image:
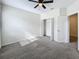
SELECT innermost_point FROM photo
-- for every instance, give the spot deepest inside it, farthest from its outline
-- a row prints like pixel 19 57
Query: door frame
pixel 52 27
pixel 69 28
pixel 0 25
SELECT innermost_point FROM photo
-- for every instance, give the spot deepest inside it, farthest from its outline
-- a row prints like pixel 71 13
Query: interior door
pixel 50 28
pixel 73 19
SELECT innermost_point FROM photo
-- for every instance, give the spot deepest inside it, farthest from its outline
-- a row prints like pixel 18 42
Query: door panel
pixel 73 28
pixel 48 27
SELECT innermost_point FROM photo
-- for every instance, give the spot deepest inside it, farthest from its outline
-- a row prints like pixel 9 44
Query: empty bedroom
pixel 39 29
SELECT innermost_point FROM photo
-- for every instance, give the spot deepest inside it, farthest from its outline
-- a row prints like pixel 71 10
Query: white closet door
pixel 52 29
pixel 48 27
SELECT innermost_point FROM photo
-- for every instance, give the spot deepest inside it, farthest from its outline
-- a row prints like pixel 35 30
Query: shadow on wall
pixel 16 24
pixel 29 38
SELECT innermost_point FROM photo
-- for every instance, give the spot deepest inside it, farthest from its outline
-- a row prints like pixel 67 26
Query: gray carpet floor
pixel 42 48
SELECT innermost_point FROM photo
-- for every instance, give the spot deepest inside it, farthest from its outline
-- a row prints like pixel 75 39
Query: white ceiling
pixel 29 6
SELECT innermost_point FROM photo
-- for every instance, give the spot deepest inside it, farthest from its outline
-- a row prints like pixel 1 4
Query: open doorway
pixel 73 24
pixel 48 28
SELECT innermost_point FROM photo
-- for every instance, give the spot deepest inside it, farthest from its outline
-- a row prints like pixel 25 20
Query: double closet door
pixel 49 28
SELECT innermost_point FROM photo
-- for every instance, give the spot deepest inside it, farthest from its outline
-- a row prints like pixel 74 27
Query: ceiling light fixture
pixel 41 2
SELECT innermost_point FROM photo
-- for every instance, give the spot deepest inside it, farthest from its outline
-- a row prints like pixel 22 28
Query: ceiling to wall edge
pixel 18 8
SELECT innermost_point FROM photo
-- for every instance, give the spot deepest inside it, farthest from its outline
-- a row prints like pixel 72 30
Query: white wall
pixel 18 25
pixel 72 9
pixel 50 14
pixel 62 35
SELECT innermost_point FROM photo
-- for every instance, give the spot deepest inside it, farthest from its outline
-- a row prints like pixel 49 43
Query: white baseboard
pixel 10 43
pixel 32 39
